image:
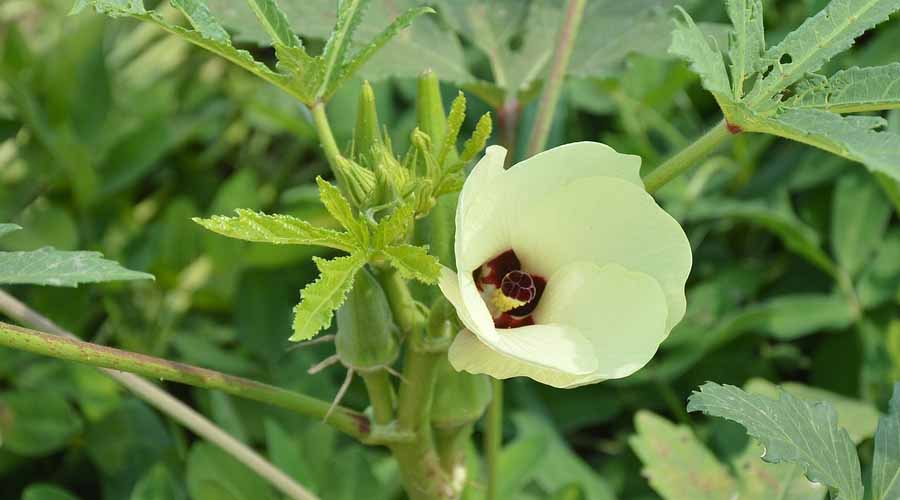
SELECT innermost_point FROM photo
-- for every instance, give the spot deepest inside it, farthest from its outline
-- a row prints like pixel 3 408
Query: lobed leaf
pixel 210 35
pixel 395 226
pixel 816 41
pixel 852 137
pixel 320 299
pixel 275 22
pixel 278 229
pixel 748 41
pixel 363 55
pixel 350 13
pixel 48 266
pixel 851 90
pixel 886 462
pixel 340 209
pixel 676 463
pixel 414 263
pixel 690 43
pixel 792 430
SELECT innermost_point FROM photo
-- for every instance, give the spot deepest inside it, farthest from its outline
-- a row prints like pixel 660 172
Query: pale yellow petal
pixel 605 220
pixel 493 197
pixel 468 353
pixel 621 312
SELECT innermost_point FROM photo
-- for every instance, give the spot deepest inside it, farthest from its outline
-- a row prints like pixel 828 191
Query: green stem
pixel 326 137
pixel 418 461
pixel 352 423
pixel 493 439
pixel 381 396
pixel 553 84
pixel 171 406
pixel 451 446
pixel 687 157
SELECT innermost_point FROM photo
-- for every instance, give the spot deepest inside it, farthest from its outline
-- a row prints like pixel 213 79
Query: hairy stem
pixel 326 137
pixel 553 84
pixel 687 157
pixel 350 422
pixel 493 438
pixel 169 405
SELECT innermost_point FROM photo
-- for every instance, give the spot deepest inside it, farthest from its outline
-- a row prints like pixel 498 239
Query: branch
pixel 348 421
pixel 171 406
pixel 553 85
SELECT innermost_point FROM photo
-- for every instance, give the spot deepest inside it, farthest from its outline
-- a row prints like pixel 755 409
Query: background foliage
pixel 114 135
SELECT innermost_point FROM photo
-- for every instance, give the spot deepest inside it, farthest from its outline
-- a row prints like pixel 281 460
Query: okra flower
pixel 568 271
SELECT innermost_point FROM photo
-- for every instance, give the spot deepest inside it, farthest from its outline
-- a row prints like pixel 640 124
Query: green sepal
pixel 367 335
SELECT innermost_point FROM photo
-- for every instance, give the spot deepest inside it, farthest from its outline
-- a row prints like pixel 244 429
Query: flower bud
pixel 357 182
pixel 367 336
pixel 367 134
pixel 430 114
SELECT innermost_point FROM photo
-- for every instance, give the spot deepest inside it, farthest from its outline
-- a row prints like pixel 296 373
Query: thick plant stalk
pixel 350 422
pixel 687 157
pixel 553 84
pixel 169 405
pixel 493 439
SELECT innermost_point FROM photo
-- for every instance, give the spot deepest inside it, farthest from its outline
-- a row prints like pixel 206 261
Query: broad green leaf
pixel 414 262
pixel 36 423
pixel 816 41
pixel 198 15
pixel 851 90
pixel 677 465
pixel 276 228
pixel 492 27
pixel 212 474
pixel 158 484
pixel 859 219
pixel 8 228
pixel 792 316
pixel 367 52
pixel 320 299
pixel 853 137
pixel 395 226
pixel 518 462
pixel 208 34
pixel 46 492
pixel 748 41
pixel 424 45
pixel 791 430
pixel 560 465
pixel 886 464
pixel 860 418
pixel 340 209
pixel 276 24
pixel 61 268
pixel 610 31
pixel 764 481
pixel 796 235
pixel 690 43
pixel 880 281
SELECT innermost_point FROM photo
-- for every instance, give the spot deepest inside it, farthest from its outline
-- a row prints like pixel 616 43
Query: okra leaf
pixel 321 298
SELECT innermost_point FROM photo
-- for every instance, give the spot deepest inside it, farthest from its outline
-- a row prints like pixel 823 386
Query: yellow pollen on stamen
pixel 502 303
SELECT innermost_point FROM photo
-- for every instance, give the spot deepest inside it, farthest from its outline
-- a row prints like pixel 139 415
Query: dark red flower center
pixel 504 274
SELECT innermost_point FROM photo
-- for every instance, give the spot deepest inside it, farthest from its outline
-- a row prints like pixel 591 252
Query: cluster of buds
pixel 375 179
